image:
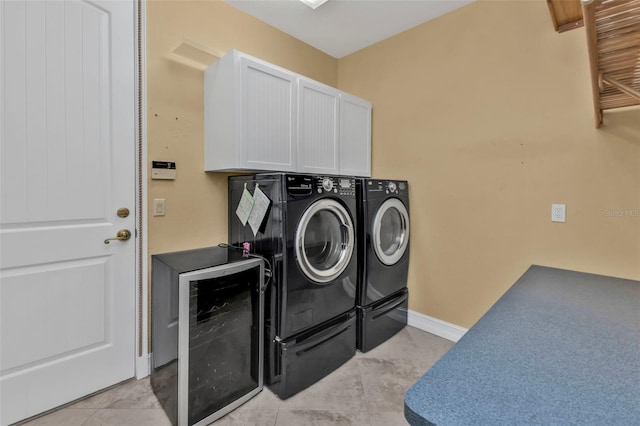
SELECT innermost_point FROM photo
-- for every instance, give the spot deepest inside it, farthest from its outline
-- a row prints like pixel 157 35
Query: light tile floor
pixel 368 390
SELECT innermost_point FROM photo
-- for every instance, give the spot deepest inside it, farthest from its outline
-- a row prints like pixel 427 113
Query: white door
pixel 317 128
pixel 67 299
pixel 268 116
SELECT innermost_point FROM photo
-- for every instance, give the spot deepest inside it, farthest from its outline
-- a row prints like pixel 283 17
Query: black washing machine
pixel 383 235
pixel 309 237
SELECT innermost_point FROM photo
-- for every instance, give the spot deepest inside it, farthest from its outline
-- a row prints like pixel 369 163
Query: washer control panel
pixel 299 185
pixel 336 185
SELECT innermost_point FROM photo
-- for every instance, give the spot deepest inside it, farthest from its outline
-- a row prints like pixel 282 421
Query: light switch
pixel 158 206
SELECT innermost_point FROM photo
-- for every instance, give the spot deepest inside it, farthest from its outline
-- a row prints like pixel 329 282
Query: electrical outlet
pixel 158 206
pixel 558 213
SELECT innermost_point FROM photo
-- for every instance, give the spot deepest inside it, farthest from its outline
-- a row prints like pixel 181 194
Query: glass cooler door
pixel 220 345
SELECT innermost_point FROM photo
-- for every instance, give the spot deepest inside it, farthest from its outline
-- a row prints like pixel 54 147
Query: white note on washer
pixel 245 205
pixel 260 208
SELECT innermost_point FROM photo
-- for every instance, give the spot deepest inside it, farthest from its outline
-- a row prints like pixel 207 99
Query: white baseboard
pixel 435 326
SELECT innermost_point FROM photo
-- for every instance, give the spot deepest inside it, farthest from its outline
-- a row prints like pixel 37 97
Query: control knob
pixel 392 187
pixel 327 184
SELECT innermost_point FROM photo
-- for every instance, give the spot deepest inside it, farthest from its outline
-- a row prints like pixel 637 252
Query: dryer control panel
pixel 344 186
pixel 388 187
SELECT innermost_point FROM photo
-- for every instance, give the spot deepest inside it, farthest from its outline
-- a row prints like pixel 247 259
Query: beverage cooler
pixel 207 340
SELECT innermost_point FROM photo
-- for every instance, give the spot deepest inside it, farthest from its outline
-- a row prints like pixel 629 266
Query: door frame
pixel 143 336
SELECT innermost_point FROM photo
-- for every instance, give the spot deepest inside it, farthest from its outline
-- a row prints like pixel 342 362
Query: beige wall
pixel 487 111
pixel 196 202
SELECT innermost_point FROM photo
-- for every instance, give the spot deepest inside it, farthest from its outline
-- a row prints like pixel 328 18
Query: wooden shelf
pixel 194 54
pixel 613 41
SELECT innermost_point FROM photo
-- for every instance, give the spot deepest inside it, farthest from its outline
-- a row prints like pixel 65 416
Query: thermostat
pixel 163 170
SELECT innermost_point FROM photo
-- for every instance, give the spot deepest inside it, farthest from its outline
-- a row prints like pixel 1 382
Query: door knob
pixel 122 235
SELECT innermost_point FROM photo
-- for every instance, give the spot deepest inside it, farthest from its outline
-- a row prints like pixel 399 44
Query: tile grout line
pixel 95 410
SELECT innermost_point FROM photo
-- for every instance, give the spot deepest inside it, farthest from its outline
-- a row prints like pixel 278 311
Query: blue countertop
pixel 559 348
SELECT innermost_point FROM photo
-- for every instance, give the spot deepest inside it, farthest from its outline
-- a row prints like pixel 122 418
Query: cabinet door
pixel 317 128
pixel 355 136
pixel 267 117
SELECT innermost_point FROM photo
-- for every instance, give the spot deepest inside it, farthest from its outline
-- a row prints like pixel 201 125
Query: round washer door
pixel 391 231
pixel 324 240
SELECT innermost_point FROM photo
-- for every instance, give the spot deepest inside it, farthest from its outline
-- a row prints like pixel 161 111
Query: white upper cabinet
pixel 355 135
pixel 317 128
pixel 267 117
pixel 262 117
pixel 250 115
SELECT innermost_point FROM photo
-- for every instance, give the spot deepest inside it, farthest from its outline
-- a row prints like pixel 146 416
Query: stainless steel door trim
pixel 346 246
pixel 184 281
pixel 392 258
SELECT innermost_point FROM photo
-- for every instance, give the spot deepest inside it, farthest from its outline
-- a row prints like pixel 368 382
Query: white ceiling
pixel 341 27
